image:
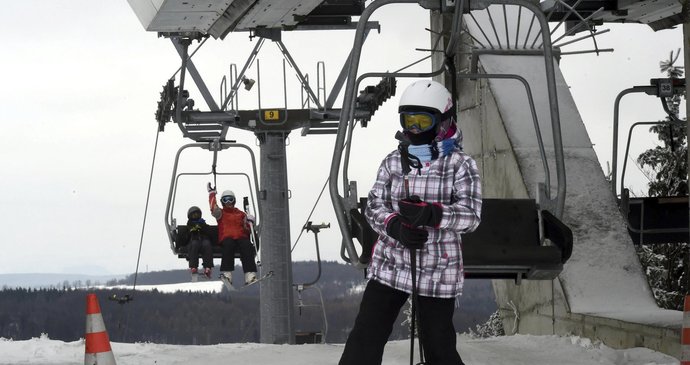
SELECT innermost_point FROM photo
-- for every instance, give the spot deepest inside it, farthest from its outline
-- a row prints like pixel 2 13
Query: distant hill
pixel 206 318
pixel 54 280
pixel 335 278
pixel 302 271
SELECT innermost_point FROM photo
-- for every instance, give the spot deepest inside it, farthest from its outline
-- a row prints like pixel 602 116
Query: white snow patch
pixel 357 289
pixel 513 350
pixel 201 286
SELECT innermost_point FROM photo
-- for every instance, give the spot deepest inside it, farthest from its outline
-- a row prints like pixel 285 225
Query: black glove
pixel 411 237
pixel 420 213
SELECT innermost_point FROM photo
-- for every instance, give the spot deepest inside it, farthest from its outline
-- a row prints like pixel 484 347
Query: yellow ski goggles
pixel 421 121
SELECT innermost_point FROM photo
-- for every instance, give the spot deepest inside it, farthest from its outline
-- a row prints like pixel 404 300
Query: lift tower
pixel 186 23
pixel 271 127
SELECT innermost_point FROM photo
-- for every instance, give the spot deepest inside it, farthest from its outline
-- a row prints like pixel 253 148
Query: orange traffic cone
pixel 685 334
pixel 98 351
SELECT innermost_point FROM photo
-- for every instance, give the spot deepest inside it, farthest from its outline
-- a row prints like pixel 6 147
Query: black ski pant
pixel 247 253
pixel 377 313
pixel 202 244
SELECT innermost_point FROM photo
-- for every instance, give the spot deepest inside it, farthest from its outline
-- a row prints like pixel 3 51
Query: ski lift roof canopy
pixel 220 17
pixel 658 14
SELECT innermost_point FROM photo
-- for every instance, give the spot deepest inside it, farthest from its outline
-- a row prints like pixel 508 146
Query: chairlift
pixel 510 243
pixel 658 219
pixel 178 235
pixel 183 25
pixel 303 337
pixel 310 336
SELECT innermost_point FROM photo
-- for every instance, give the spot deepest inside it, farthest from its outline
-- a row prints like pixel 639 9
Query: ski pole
pixel 413 310
pixel 405 160
pixel 254 238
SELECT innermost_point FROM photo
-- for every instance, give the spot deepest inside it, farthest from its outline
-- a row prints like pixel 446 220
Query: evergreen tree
pixel 666 167
pixel 492 328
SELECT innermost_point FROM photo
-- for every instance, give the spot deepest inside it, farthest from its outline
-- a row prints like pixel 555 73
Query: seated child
pixel 233 235
pixel 199 233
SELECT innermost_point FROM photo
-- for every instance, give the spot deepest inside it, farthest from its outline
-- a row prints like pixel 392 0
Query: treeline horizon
pixel 208 318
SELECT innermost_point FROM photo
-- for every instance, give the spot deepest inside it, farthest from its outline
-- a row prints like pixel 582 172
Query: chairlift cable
pixel 129 297
pixel 433 49
pixel 313 207
pixel 146 209
pixel 311 212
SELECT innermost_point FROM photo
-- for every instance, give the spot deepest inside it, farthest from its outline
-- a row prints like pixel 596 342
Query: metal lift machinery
pixel 516 253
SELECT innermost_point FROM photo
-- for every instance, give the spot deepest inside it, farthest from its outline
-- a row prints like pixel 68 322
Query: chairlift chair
pixel 311 336
pixel 657 219
pixel 510 243
pixel 303 337
pixel 506 245
pixel 178 235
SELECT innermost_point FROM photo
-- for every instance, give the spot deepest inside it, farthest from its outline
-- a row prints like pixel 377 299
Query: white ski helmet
pixel 426 95
pixel 227 193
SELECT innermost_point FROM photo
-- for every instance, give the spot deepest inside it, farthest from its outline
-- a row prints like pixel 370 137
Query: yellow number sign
pixel 271 115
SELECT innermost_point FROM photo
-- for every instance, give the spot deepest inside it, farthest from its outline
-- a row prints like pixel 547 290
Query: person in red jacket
pixel 233 235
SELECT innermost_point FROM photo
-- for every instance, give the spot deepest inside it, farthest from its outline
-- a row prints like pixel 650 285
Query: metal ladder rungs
pixel 198 135
pixel 215 127
pixel 323 131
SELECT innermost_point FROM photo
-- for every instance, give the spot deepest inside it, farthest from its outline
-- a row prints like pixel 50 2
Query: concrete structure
pixel 276 295
pixel 602 292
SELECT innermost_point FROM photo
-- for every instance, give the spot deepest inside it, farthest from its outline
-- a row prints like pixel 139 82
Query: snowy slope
pixel 46 280
pixel 514 350
pixel 202 286
pixel 603 276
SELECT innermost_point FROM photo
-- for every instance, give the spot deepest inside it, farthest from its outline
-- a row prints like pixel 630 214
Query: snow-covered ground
pixel 202 286
pixel 513 350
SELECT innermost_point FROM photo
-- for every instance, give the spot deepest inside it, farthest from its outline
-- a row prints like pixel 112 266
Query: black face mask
pixel 421 138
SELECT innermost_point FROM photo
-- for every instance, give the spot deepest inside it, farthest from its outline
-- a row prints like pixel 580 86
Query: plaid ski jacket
pixel 453 181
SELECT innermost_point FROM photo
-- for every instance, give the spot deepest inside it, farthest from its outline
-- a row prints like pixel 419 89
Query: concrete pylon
pixel 98 351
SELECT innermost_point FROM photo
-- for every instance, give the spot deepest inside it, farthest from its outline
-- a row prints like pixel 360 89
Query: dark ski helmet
pixel 192 210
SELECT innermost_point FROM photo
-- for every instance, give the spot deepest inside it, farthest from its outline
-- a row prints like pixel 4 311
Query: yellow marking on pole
pixel 271 115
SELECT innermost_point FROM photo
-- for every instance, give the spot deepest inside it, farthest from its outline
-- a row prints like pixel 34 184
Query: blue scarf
pixel 426 152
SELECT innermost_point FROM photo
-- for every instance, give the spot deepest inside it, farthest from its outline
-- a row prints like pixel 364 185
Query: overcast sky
pixel 81 80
